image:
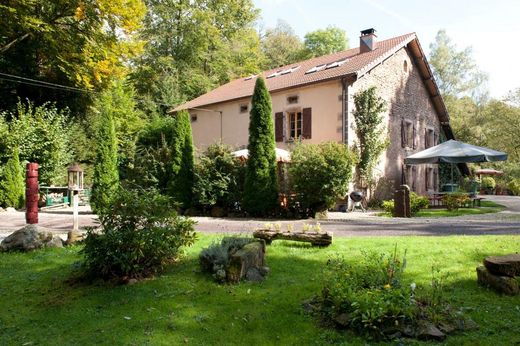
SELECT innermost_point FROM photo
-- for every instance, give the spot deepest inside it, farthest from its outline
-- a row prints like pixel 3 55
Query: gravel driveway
pixel 342 224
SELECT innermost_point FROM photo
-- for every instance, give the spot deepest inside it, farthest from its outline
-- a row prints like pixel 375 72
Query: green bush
pixel 514 187
pixel 388 206
pixel 181 185
pixel 261 187
pixel 454 200
pixel 215 258
pixel 12 184
pixel 488 183
pixel 319 175
pixel 140 234
pixel 418 202
pixel 367 296
pixel 218 178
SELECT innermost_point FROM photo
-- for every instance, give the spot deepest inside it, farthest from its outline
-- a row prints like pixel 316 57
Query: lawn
pixel 485 208
pixel 183 306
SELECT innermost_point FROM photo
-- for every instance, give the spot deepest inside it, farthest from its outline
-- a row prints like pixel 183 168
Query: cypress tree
pixel 106 176
pixel 181 186
pixel 13 185
pixel 261 188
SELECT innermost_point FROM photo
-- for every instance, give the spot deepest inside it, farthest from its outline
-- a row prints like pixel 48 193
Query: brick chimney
pixel 367 40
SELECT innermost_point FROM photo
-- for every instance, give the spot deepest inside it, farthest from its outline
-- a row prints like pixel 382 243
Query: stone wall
pixel 399 83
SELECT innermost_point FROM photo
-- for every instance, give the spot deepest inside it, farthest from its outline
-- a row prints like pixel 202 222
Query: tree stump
pixel 247 262
pixel 503 284
pixel 315 238
pixel 508 265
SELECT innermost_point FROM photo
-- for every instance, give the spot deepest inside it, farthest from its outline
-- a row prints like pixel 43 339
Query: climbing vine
pixel 371 138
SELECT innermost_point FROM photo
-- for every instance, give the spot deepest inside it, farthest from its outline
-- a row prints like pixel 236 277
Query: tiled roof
pixel 357 64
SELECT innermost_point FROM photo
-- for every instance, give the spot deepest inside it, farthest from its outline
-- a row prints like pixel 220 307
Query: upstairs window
pixel 408 134
pixel 193 118
pixel 292 99
pixel 244 108
pixel 429 138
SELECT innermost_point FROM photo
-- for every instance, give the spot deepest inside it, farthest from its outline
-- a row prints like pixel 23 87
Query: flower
pixel 412 286
pixel 387 286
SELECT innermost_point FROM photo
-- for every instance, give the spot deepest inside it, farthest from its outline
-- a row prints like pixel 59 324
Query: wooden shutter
pixel 414 142
pixel 307 123
pixel 435 138
pixel 425 138
pixel 278 127
pixel 403 174
pixel 414 177
pixel 403 134
pixel 427 179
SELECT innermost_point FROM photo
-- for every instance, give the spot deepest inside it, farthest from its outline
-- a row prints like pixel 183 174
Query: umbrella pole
pixel 451 165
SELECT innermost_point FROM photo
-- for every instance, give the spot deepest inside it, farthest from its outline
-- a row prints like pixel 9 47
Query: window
pixel 292 99
pixel 429 138
pixel 428 179
pixel 407 134
pixel 405 66
pixel 244 108
pixel 193 118
pixel 295 124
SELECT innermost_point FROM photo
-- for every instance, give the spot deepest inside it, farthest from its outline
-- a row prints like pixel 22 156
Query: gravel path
pixel 342 224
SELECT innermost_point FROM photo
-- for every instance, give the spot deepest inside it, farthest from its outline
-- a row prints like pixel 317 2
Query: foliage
pixel 194 46
pixel 42 135
pixel 454 200
pixel 215 258
pixel 181 185
pixel 12 184
pixel 281 46
pixel 141 233
pixel 368 296
pixel 326 41
pixel 371 141
pixel 514 187
pixel 261 188
pixel 488 183
pixel 76 43
pixel 388 206
pixel 105 181
pixel 319 175
pixel 218 178
pixel 418 202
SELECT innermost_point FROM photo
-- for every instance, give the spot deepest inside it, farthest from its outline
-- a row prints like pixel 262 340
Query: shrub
pixel 215 258
pixel 319 175
pixel 488 183
pixel 140 234
pixel 12 185
pixel 261 188
pixel 218 178
pixel 454 200
pixel 106 175
pixel 514 187
pixel 181 185
pixel 388 206
pixel 418 202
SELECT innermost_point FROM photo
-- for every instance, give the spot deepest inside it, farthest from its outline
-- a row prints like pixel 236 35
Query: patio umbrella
pixel 455 152
pixel 488 171
pixel 281 155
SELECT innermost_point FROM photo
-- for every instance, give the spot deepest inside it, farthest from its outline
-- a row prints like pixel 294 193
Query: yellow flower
pixel 387 286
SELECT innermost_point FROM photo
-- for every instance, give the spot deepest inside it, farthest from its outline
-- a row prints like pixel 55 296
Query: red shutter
pixel 414 142
pixel 278 127
pixel 307 123
pixel 403 138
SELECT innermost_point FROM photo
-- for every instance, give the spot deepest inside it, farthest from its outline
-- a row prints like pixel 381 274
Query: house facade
pixel 313 101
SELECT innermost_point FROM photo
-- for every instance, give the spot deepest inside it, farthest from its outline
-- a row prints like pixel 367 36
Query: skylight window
pixel 326 66
pixel 250 77
pixel 290 70
pixel 316 68
pixel 277 73
pixel 336 64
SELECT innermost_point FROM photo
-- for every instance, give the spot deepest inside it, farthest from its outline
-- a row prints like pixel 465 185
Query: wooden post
pixel 31 193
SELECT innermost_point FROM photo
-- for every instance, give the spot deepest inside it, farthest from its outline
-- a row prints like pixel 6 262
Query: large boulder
pixel 503 284
pixel 28 238
pixel 508 265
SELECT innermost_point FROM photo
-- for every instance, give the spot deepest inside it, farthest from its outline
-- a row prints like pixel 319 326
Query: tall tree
pixel 105 182
pixel 72 42
pixel 261 188
pixel 326 41
pixel 193 46
pixel 181 186
pixel 12 185
pixel 281 46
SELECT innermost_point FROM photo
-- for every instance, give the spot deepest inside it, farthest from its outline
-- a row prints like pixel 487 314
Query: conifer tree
pixel 181 187
pixel 12 185
pixel 261 189
pixel 106 175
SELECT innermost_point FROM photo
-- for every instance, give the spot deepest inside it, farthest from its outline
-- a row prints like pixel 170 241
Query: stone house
pixel 313 100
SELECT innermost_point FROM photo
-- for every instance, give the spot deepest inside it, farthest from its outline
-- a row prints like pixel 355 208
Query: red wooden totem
pixel 31 193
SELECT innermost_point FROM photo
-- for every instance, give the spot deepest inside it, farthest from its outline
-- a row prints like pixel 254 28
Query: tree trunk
pixel 315 238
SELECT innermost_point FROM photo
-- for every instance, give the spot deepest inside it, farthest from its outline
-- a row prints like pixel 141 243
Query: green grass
pixel 39 307
pixel 485 208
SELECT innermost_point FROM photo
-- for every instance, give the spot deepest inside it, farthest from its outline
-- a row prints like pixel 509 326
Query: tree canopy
pixel 326 41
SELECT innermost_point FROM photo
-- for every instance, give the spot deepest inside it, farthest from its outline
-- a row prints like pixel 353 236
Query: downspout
pixel 344 111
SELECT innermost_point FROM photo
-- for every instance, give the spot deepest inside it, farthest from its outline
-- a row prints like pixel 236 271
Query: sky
pixel 490 27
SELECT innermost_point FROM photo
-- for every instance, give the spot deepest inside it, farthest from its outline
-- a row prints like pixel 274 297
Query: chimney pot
pixel 367 40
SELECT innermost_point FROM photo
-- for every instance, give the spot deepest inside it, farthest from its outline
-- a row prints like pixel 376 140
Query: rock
pixel 253 274
pixel 508 265
pixel 10 209
pixel 74 237
pixel 28 238
pixel 503 284
pixel 264 270
pixel 428 331
pixel 54 242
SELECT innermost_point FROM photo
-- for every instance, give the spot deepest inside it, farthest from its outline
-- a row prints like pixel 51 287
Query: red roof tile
pixel 357 64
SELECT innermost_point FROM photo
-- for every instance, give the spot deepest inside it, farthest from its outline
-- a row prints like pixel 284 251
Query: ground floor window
pixel 295 124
